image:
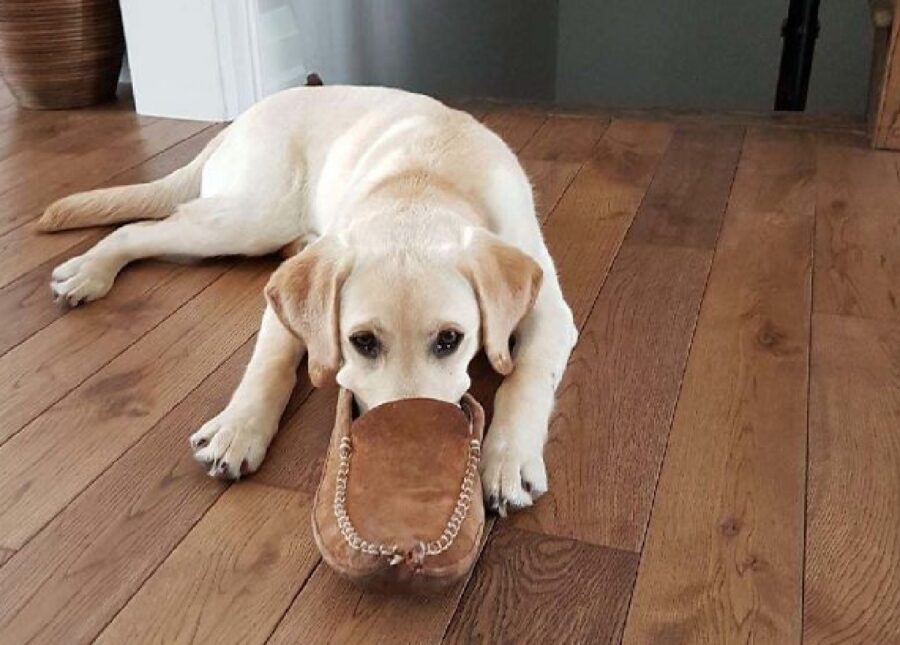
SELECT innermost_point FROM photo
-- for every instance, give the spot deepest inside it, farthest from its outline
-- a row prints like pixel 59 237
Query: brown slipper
pixel 399 506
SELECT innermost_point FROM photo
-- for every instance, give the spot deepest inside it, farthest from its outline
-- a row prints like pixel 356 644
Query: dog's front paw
pixel 82 279
pixel 512 471
pixel 234 443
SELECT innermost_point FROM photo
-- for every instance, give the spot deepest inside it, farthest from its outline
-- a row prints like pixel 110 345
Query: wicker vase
pixel 57 54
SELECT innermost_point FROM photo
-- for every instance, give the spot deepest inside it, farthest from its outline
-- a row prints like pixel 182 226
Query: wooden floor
pixel 724 459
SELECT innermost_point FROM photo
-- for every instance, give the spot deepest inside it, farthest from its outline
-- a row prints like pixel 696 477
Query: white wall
pixel 174 62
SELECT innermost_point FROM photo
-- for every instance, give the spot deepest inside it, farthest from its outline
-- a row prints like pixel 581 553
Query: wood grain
pixel 5 554
pixel 71 579
pixel 615 404
pixel 25 303
pixel 22 130
pixel 857 237
pixel 22 248
pixel 723 555
pixel 297 454
pixel 537 589
pixel 33 157
pixel 48 463
pixel 90 153
pixel 853 534
pixel 550 180
pixel 331 610
pixel 562 138
pixel 555 154
pixel 43 369
pixel 587 226
pixel 65 584
pixel 232 577
pixel 685 202
pixel 515 127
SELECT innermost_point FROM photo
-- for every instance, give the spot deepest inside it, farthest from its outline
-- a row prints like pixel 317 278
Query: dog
pixel 413 244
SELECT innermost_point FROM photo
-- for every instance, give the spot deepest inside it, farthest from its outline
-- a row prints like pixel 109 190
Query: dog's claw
pixel 502 508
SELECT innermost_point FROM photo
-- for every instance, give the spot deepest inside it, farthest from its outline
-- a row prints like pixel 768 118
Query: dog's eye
pixel 446 343
pixel 366 344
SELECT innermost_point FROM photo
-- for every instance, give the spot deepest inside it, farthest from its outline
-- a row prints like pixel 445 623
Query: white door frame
pixel 193 59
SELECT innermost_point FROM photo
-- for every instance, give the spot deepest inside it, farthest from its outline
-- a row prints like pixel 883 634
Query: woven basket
pixel 57 54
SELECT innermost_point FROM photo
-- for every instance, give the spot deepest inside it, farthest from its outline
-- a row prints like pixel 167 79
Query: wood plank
pixel 32 129
pixel 297 454
pixel 555 154
pixel 33 178
pixel 25 303
pixel 550 180
pixel 853 528
pixel 722 561
pixel 590 221
pixel 615 404
pixel 857 258
pixel 55 457
pixel 22 248
pixel 34 155
pixel 66 583
pixel 614 407
pixel 514 126
pixel 562 138
pixel 72 578
pixel 685 202
pixel 5 554
pixel 532 588
pixel 232 578
pixel 331 610
pixel 43 369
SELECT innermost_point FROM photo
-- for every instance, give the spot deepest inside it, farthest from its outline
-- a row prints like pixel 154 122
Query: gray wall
pixel 498 48
pixel 709 54
pixel 840 77
pixel 704 54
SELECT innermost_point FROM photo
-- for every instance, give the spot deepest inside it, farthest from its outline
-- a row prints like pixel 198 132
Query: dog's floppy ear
pixel 506 282
pixel 305 293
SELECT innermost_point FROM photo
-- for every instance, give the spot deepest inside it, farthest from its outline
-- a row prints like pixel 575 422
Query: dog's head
pixel 394 325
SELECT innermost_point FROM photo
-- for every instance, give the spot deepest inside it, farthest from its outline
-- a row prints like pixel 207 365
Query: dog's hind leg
pixel 205 227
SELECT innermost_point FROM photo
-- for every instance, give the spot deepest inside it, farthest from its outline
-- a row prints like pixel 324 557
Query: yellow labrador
pixel 419 245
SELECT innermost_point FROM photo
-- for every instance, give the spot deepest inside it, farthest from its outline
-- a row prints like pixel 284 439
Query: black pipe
pixel 799 32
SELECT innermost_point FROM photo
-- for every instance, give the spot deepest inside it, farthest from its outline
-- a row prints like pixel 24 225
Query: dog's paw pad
pixel 232 445
pixel 511 477
pixel 81 279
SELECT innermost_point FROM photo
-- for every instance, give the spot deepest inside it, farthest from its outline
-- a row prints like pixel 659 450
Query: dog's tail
pixel 153 200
